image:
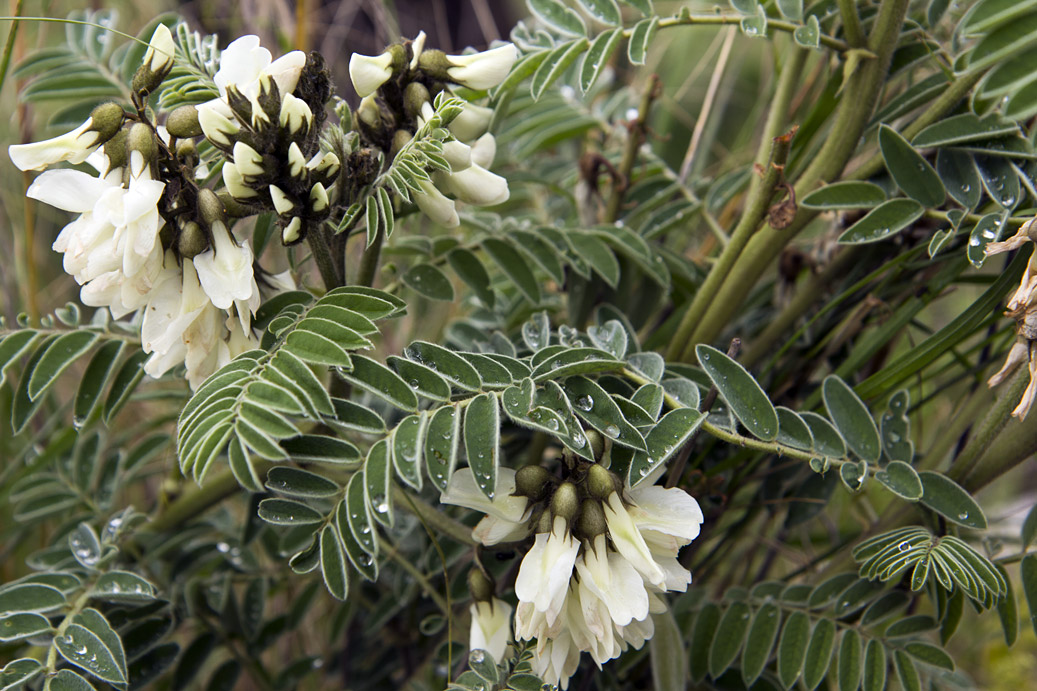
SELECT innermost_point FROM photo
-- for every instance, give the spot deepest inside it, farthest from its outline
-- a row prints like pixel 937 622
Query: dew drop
pixel 477 656
pixel 612 431
pixel 963 515
pixel 904 546
pixel 585 403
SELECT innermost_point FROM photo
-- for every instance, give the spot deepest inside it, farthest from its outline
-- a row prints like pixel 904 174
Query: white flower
pixel 435 205
pixel 458 155
pixel 216 126
pixel 72 146
pixel 472 123
pixel 161 50
pixel 612 579
pixel 484 150
pixel 417 46
pixel 244 61
pixel 491 627
pixel 557 659
pixel 462 490
pixel 629 541
pixel 483 70
pixel 544 574
pixel 475 185
pixel 369 72
pixel 235 182
pixel 225 269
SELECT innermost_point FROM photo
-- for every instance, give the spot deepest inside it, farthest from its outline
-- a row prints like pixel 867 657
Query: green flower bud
pixel 600 482
pixel 106 119
pixel 435 64
pixel 183 122
pixel 414 97
pixel 591 521
pixel 480 586
pixel 533 481
pixel 192 241
pixel 141 144
pixel 158 61
pixel 399 140
pixel 115 150
pixel 596 441
pixel 187 152
pixel 565 502
pixel 210 208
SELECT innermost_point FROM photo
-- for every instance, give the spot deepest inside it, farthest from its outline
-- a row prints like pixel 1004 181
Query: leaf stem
pixel 689 19
pixel 635 135
pixel 851 23
pixel 433 517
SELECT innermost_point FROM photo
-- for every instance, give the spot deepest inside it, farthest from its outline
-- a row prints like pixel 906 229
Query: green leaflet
pixel 482 441
pixel 743 394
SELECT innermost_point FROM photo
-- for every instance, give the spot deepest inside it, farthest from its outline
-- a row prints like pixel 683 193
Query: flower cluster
pixel 267 122
pixel 146 237
pixel 602 555
pixel 397 89
pixel 1022 307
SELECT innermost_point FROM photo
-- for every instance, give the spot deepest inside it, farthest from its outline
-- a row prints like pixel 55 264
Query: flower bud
pixel 192 241
pixel 295 115
pixel 565 502
pixel 106 120
pixel 414 97
pixel 325 168
pixel 210 208
pixel 482 70
pixel 480 585
pixel 183 122
pixel 248 161
pixel 266 107
pixel 235 182
pixel 533 482
pixel 591 522
pixel 296 161
pixel 484 150
pixel 600 482
pixel 292 232
pixel 158 61
pixel 475 185
pixel 318 198
pixel 141 144
pixel 187 152
pixel 217 128
pixel 282 204
pixel 399 140
pixel 369 113
pixel 417 47
pixel 596 441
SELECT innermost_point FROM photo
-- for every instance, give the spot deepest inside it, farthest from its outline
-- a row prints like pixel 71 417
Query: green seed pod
pixel 565 502
pixel 210 208
pixel 591 522
pixel 480 586
pixel 600 482
pixel 192 241
pixel 414 97
pixel 183 122
pixel 533 481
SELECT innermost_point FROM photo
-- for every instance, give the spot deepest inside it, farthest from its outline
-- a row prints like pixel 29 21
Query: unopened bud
pixel 292 232
pixel 268 101
pixel 480 586
pixel 533 482
pixel 471 123
pixel 183 122
pixel 217 128
pixel 318 198
pixel 596 441
pixel 235 182
pixel 158 61
pixel 210 208
pixel 399 140
pixel 369 113
pixel 414 97
pixel 591 522
pixel 295 115
pixel 187 152
pixel 248 161
pixel 296 161
pixel 600 482
pixel 565 502
pixel 282 204
pixel 192 241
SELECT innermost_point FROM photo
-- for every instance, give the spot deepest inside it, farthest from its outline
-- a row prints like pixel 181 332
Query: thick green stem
pixel 990 428
pixel 774 148
pixel 859 98
pixel 1015 444
pixel 755 211
pixel 851 23
pixel 369 262
pixel 322 255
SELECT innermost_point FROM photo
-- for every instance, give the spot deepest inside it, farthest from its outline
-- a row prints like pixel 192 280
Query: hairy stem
pixel 322 255
pixel 369 262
